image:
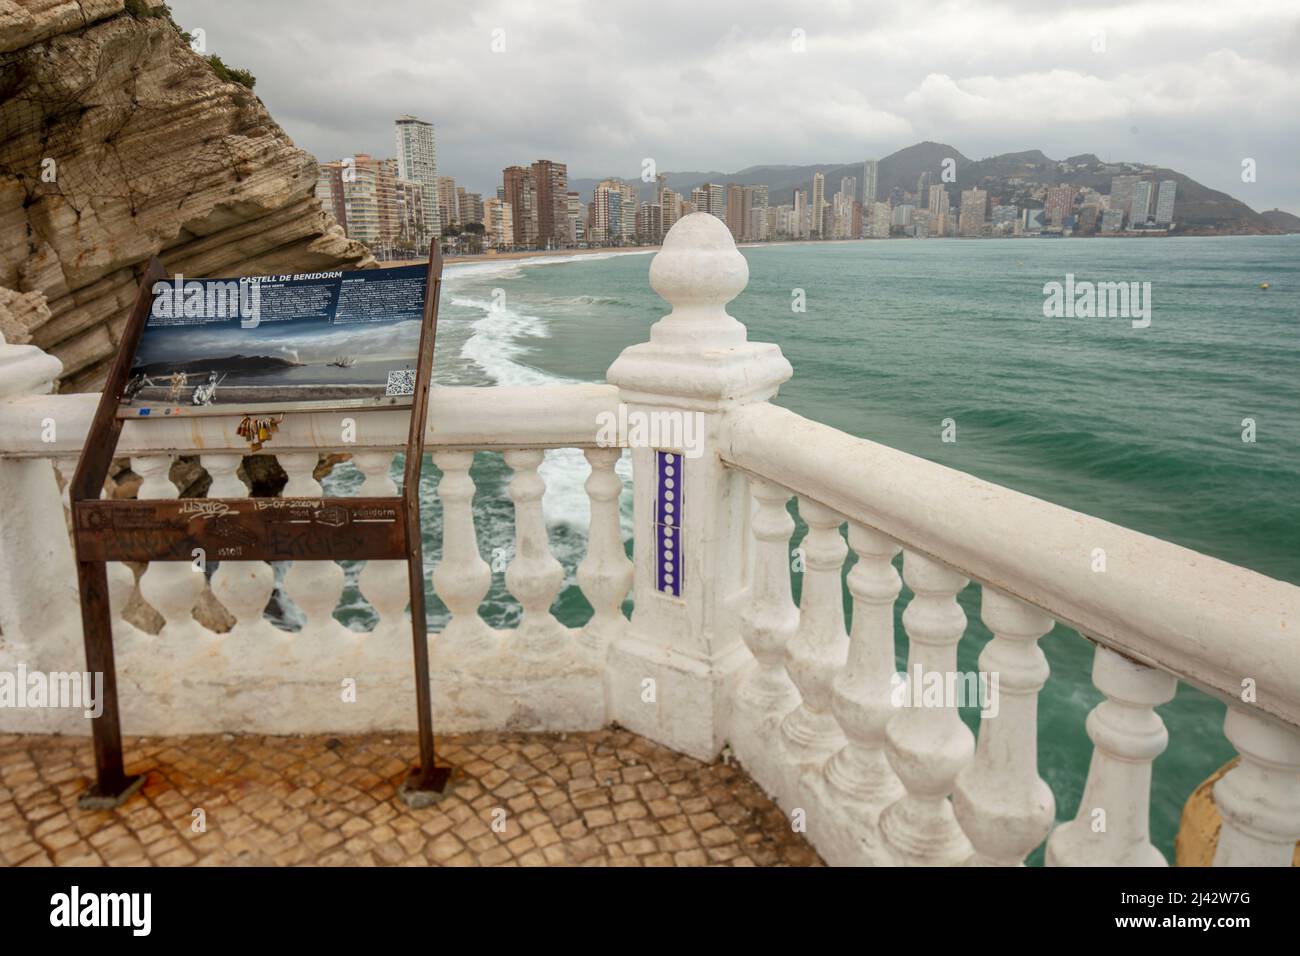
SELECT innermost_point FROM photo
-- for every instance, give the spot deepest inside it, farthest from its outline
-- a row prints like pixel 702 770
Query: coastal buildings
pixel 376 204
pixel 417 160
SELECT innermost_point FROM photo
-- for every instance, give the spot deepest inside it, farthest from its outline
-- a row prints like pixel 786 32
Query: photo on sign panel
pixel 278 343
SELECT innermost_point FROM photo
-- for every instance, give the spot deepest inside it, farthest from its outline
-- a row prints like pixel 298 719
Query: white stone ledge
pixel 1211 623
pixel 549 416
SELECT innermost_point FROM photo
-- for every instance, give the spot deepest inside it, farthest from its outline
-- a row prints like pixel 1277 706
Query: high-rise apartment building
pixel 974 202
pixel 1058 204
pixel 417 159
pixel 870 181
pixel 939 210
pixel 498 223
pixel 1141 207
pixel 448 212
pixel 521 193
pixel 469 207
pixel 735 217
pixel 552 183
pixel 1121 193
pixel 1165 202
pixel 799 216
pixel 818 205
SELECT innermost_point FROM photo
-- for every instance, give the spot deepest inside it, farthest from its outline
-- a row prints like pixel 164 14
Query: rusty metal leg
pixel 112 786
pixel 427 783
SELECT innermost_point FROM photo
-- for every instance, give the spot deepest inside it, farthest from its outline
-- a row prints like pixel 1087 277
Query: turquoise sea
pixel 1141 426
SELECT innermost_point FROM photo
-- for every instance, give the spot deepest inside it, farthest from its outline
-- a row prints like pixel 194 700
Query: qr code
pixel 401 382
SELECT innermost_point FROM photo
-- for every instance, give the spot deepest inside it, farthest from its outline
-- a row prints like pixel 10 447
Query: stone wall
pixel 118 142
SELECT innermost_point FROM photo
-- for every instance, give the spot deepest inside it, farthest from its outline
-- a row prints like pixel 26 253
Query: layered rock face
pixel 118 142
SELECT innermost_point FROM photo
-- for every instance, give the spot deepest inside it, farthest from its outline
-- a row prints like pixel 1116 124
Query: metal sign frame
pixel 265 529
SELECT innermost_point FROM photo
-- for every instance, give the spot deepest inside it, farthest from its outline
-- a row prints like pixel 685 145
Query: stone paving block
pixel 607 798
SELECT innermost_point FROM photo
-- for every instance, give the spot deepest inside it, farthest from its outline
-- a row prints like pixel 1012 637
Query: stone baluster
pixel 384 583
pixel 1003 805
pixel 1259 799
pixel 462 578
pixel 605 574
pixel 170 587
pixel 927 743
pixel 242 587
pixel 862 692
pixel 820 643
pixel 1112 827
pixel 314 586
pixel 769 618
pixel 534 577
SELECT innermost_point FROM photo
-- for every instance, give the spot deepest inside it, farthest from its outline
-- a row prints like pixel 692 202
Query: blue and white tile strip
pixel 668 523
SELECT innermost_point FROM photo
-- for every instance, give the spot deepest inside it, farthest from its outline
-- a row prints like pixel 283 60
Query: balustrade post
pixel 1259 799
pixel 671 674
pixel 817 652
pixel 605 574
pixel 461 578
pixel 314 586
pixel 862 692
pixel 169 587
pixel 927 743
pixel 769 618
pixel 383 583
pixel 1003 805
pixel 242 587
pixel 534 576
pixel 1112 827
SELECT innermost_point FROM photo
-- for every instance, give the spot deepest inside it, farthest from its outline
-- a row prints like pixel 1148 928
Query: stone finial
pixel 698 271
pixel 698 353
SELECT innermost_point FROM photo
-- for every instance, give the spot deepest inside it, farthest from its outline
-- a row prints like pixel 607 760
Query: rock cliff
pixel 118 142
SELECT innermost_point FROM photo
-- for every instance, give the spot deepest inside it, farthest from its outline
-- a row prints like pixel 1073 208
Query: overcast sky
pixel 603 84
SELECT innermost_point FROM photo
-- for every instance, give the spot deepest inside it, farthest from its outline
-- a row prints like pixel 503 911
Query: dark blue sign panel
pixel 276 343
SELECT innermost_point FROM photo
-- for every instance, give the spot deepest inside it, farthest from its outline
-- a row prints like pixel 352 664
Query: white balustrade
pixel 242 587
pixel 383 583
pixel 1112 827
pixel 769 619
pixel 314 586
pixel 605 574
pixel 863 691
pixel 169 587
pixel 820 644
pixel 462 578
pixel 927 743
pixel 534 576
pixel 1003 805
pixel 1259 799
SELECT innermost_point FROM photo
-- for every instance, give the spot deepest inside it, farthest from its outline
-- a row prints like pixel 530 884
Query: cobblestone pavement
pixel 608 798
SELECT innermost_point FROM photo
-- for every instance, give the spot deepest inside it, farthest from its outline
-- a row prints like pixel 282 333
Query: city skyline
pixel 1186 86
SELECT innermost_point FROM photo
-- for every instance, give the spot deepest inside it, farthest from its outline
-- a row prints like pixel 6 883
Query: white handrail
pixel 1211 623
pixel 549 416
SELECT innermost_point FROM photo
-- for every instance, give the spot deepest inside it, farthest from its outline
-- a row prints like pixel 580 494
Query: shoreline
pixel 449 261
